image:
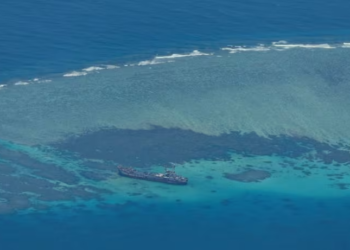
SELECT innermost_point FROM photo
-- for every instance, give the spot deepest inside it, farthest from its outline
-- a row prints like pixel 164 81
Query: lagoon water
pixel 248 99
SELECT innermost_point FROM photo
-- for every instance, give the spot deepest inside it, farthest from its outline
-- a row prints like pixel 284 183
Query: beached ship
pixel 169 177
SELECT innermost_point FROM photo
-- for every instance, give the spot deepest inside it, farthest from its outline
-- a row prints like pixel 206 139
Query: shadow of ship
pixel 169 177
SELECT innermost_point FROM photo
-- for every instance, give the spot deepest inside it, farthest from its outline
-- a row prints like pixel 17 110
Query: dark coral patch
pixel 250 175
pixel 160 146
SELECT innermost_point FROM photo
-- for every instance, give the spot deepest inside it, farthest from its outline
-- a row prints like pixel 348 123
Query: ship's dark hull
pixel 174 179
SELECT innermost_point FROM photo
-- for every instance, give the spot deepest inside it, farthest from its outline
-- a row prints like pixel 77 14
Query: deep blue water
pixel 40 38
pixel 45 37
pixel 253 221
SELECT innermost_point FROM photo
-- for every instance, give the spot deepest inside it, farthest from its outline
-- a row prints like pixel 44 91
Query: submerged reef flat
pixel 250 175
pixel 294 92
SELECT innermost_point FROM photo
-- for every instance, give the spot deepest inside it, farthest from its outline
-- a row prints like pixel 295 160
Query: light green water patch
pixel 299 92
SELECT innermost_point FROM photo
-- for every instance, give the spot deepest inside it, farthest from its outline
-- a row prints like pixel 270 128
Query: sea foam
pixel 93 68
pixel 193 53
pixel 21 83
pixel 90 69
pixel 244 49
pixel 74 74
pixel 280 45
pixel 170 58
pixel 149 62
pixel 285 45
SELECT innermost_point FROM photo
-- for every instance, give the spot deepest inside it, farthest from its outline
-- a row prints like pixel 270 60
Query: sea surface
pixel 247 99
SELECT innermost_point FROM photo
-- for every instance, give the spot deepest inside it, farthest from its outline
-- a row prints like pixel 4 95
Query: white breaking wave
pixel 2 86
pixel 240 48
pixel 285 45
pixel 148 62
pixel 282 45
pixel 21 83
pixel 154 61
pixel 193 53
pixel 24 83
pixel 93 68
pixel 75 73
pixel 169 59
